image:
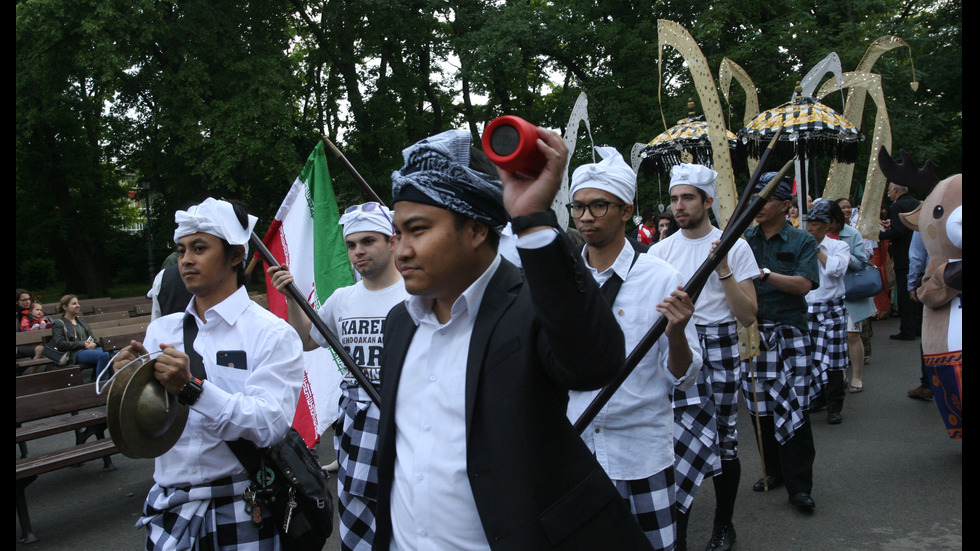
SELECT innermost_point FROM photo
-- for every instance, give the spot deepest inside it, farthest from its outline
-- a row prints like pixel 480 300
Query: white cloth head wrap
pixel 612 174
pixel 698 176
pixel 378 219
pixel 217 218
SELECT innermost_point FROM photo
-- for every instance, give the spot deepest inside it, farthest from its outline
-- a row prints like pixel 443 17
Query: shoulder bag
pixel 286 477
pixel 53 354
pixel 862 283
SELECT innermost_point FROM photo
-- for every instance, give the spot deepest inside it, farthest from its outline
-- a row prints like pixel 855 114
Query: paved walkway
pixel 886 478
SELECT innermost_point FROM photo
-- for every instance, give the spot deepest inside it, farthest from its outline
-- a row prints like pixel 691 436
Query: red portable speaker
pixel 512 144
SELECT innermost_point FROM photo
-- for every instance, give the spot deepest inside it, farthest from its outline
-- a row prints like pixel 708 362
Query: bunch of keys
pixel 252 506
pixel 289 512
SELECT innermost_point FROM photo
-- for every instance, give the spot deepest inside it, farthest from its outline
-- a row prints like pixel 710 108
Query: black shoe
pixel 773 482
pixel 802 501
pixel 902 337
pixel 834 417
pixel 722 538
pixel 818 404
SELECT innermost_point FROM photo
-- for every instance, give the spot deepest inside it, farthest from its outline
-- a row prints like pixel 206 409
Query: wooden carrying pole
pixel 293 292
pixel 747 194
pixel 354 174
pixel 692 288
pixel 353 171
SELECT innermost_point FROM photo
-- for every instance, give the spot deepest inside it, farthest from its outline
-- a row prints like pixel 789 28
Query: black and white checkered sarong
pixel 719 348
pixel 651 500
pixel 828 330
pixel 357 477
pixel 205 518
pixel 695 439
pixel 783 380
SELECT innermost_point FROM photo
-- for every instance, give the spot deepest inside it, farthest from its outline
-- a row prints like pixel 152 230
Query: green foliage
pixel 227 98
pixel 34 273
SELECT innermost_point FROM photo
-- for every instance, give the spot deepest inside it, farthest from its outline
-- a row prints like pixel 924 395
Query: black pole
pixel 353 171
pixel 692 288
pixel 747 193
pixel 294 293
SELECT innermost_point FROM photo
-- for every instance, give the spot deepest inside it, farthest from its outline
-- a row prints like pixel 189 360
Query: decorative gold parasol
pixel 689 135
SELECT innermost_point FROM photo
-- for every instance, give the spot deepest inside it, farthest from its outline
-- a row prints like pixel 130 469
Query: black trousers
pixel 792 461
pixel 834 391
pixel 909 311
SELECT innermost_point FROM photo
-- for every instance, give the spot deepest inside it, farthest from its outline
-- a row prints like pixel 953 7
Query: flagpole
pixel 293 292
pixel 693 288
pixel 353 171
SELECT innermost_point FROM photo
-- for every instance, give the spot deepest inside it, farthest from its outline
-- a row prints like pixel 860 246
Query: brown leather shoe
pixel 921 393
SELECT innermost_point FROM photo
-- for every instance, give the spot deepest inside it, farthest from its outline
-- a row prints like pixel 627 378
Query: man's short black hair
pixel 241 212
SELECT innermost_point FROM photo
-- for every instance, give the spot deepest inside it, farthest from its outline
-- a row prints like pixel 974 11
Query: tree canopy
pixel 177 100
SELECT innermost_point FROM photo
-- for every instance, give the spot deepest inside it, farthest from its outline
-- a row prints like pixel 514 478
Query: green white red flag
pixel 306 237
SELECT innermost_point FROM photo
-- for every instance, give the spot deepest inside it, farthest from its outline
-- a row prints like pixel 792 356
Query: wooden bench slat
pixel 50 427
pixel 48 462
pixel 48 380
pixel 56 402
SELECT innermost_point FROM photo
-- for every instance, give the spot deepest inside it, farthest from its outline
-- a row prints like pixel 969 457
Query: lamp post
pixel 145 185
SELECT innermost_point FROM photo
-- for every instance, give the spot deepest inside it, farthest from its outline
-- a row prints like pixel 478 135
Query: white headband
pixel 612 174
pixel 378 219
pixel 215 217
pixel 698 176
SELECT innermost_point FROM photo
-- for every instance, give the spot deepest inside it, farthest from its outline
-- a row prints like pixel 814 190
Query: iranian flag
pixel 305 237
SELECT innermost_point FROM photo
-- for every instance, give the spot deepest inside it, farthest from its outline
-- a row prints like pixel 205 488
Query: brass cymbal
pixel 116 387
pixel 147 421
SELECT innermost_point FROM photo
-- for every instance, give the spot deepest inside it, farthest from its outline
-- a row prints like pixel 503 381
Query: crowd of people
pixel 477 319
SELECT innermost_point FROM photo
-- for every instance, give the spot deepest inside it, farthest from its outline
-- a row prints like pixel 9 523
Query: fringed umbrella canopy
pixel 689 135
pixel 810 130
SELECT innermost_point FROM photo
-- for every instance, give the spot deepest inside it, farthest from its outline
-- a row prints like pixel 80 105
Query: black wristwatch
pixel 546 218
pixel 191 392
pixel 765 274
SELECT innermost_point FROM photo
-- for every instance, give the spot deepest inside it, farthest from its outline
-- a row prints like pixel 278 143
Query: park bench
pixel 49 413
pixel 127 305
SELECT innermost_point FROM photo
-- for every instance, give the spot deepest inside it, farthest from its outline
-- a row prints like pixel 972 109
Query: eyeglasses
pixel 366 207
pixel 597 208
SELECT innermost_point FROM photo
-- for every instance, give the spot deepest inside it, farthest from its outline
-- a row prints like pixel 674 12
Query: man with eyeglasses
pixel 356 315
pixel 706 415
pixel 632 435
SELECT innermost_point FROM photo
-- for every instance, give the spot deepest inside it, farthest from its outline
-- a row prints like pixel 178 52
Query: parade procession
pixel 332 276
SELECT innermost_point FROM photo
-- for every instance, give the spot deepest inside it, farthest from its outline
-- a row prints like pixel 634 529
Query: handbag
pixel 862 283
pixel 286 478
pixel 60 358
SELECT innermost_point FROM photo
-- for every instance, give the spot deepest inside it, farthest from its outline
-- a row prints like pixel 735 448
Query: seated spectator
pixel 35 320
pixel 32 351
pixel 72 334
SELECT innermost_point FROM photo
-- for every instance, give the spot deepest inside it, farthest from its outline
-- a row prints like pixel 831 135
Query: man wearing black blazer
pixel 475 449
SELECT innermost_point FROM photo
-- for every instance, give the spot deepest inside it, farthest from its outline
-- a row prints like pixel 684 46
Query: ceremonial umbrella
pixel 689 135
pixel 810 130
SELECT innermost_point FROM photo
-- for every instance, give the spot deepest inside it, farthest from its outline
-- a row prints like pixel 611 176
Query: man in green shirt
pixel 778 394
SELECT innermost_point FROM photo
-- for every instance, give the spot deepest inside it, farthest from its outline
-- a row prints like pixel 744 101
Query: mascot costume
pixel 939 220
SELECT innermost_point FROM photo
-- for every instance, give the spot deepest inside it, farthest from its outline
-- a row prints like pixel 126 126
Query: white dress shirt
pixel 831 275
pixel 687 255
pixel 256 401
pixel 633 434
pixel 432 504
